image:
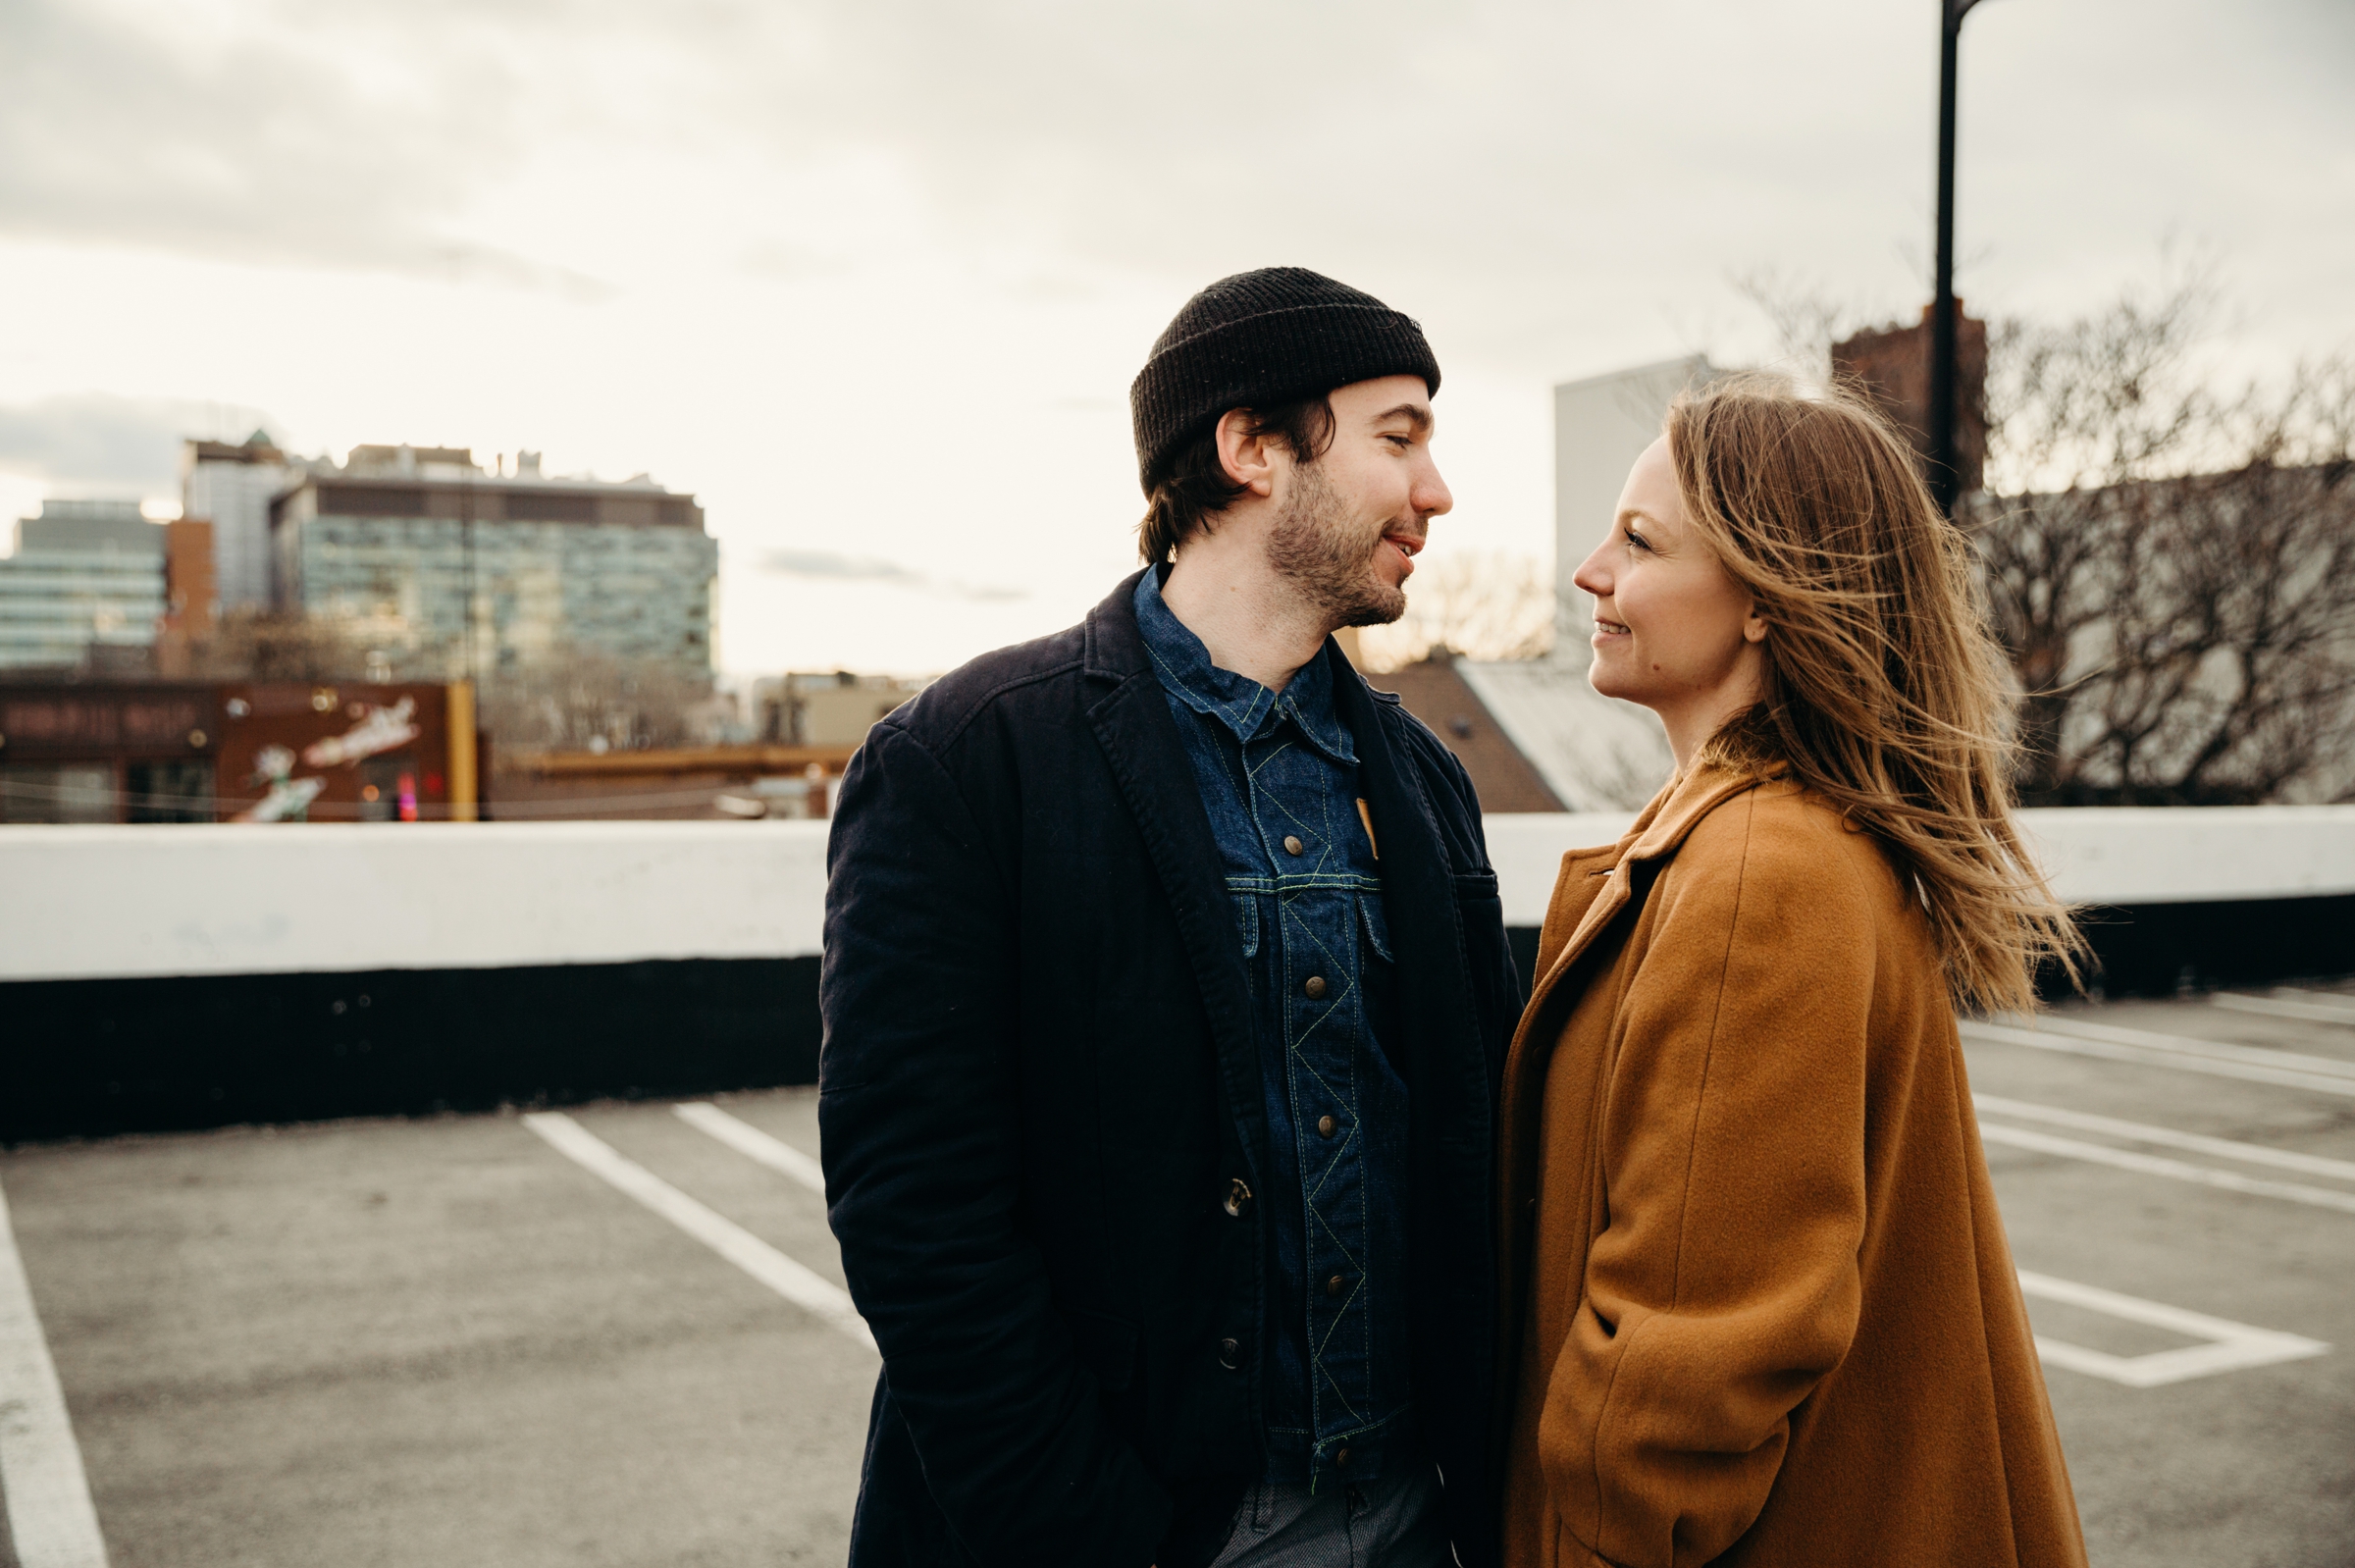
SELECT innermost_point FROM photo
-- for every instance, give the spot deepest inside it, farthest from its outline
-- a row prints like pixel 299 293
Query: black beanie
pixel 1260 339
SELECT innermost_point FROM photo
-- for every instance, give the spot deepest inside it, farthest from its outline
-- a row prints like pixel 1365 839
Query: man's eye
pixel 1402 443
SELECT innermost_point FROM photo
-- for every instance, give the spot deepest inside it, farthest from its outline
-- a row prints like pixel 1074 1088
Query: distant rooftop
pixel 456 465
pixel 257 448
pixel 84 525
pixel 446 483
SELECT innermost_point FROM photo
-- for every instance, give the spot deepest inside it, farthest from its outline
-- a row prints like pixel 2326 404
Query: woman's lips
pixel 1608 628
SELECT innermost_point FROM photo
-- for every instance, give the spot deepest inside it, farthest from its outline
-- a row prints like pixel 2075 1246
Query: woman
pixel 1759 1305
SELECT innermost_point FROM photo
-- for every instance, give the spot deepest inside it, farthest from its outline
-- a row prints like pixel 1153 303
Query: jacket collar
pixel 1664 825
pixel 1111 647
pixel 1658 831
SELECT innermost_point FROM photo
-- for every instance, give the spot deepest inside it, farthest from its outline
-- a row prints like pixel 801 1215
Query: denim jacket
pixel 1277 775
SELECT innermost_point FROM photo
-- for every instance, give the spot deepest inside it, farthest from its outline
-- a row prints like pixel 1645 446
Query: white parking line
pixel 50 1517
pixel 813 1292
pixel 754 1144
pixel 2168 1137
pixel 2314 1006
pixel 2230 1347
pixel 2220 1050
pixel 2159 1164
pixel 2248 1062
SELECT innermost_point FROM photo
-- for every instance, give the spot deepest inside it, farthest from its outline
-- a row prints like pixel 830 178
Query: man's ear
pixel 1244 452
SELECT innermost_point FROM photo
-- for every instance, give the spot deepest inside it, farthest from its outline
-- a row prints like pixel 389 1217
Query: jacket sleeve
pixel 919 1118
pixel 1725 1283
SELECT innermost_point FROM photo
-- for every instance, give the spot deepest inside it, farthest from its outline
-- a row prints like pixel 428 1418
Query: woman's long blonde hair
pixel 1885 690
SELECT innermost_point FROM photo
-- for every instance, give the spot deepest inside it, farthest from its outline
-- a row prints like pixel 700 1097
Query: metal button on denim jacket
pixel 1278 778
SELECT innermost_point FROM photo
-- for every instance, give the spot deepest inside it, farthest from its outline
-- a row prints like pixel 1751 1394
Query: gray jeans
pixel 1393 1523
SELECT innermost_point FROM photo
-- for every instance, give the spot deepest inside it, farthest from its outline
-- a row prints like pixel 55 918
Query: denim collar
pixel 1239 702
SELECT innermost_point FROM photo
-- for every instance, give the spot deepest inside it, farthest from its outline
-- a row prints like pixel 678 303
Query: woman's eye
pixel 1638 540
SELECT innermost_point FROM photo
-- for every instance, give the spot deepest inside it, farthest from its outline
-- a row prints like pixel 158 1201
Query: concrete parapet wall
pixel 188 976
pixel 88 903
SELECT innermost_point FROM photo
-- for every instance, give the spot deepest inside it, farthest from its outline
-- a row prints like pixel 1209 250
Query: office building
pixel 471 573
pixel 86 581
pixel 232 488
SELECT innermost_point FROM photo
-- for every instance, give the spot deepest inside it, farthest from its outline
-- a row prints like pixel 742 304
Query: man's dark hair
pixel 1193 486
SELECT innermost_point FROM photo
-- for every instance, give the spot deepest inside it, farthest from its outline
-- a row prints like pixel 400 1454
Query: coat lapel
pixel 1650 842
pixel 1140 740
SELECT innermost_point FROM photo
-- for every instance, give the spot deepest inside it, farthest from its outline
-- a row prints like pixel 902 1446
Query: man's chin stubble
pixel 1310 548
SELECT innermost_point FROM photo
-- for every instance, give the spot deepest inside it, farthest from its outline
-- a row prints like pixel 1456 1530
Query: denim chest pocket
pixel 1246 921
pixel 1375 925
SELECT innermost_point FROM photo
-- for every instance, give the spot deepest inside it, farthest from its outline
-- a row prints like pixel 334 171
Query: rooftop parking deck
pixel 615 1338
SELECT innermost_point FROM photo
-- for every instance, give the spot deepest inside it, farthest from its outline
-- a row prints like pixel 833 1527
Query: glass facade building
pixel 486 573
pixel 85 573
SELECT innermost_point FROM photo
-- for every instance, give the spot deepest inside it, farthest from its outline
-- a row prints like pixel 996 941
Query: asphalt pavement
pixel 617 1335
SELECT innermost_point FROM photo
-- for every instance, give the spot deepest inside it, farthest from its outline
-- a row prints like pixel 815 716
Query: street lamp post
pixel 1946 455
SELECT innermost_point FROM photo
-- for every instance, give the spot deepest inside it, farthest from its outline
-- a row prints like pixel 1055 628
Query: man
pixel 1166 993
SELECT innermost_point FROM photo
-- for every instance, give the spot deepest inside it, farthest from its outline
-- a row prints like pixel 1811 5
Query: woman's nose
pixel 1592 576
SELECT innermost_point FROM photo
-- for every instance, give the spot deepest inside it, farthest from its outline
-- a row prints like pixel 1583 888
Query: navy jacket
pixel 1041 1123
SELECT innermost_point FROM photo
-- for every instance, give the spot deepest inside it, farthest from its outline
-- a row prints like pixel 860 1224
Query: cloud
pixel 1508 171
pixel 236 132
pixel 100 441
pixel 825 565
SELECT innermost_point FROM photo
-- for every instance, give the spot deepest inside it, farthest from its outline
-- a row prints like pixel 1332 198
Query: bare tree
pixel 1474 604
pixel 2171 571
pixel 584 699
pixel 272 645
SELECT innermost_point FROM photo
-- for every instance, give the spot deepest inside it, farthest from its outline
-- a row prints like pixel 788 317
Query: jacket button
pixel 1336 1286
pixel 1340 1458
pixel 1238 1197
pixel 1291 844
pixel 1314 986
pixel 1231 1353
pixel 1326 1125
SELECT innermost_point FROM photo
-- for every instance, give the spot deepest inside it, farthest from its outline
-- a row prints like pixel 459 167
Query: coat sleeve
pixel 1725 1282
pixel 919 1118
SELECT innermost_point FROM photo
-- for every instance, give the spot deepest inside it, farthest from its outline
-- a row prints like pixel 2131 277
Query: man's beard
pixel 1328 558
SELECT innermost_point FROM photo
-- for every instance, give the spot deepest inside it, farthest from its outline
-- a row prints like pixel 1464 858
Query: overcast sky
pixel 871 279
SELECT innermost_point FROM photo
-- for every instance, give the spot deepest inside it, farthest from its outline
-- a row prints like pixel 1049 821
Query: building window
pixel 168 791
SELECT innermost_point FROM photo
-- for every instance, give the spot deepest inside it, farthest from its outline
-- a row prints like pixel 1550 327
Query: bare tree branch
pixel 1474 604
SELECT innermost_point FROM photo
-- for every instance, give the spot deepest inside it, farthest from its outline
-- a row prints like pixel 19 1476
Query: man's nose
pixel 1431 497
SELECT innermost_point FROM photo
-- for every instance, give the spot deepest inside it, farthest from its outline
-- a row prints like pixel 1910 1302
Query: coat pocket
pixel 1471 885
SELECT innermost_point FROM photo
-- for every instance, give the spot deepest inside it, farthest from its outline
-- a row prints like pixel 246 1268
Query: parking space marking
pixel 754 1144
pixel 2245 1062
pixel 50 1516
pixel 2168 1137
pixel 798 1284
pixel 2230 1346
pixel 2159 1164
pixel 2313 1006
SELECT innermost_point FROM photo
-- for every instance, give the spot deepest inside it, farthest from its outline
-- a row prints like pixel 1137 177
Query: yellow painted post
pixel 458 715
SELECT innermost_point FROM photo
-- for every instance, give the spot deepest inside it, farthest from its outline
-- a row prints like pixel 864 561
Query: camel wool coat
pixel 1759 1308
